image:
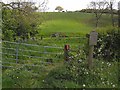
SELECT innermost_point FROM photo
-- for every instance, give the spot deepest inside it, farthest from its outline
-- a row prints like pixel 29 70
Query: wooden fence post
pixel 119 14
pixel 66 52
pixel 90 56
pixel 92 42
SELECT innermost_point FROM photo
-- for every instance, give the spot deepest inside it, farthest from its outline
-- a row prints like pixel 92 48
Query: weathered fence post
pixel 92 42
pixel 119 14
pixel 66 52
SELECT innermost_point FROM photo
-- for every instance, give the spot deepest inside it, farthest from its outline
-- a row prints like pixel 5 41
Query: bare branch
pixel 98 8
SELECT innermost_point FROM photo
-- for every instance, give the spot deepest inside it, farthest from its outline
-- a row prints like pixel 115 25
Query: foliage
pixel 98 7
pixel 106 11
pixel 23 77
pixel 59 8
pixel 19 22
pixel 108 45
pixel 81 77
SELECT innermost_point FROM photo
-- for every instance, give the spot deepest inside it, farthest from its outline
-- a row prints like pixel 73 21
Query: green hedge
pixel 108 45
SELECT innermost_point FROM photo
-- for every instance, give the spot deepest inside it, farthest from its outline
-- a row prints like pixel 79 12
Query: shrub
pixel 108 45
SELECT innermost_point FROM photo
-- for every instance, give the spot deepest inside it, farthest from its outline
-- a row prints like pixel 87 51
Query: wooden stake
pixel 92 42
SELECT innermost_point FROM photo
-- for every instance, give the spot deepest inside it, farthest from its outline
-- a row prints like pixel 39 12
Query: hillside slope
pixel 71 22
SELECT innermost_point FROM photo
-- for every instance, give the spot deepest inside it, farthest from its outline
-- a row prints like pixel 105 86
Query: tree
pixel 20 20
pixel 111 10
pixel 59 8
pixel 98 8
pixel 112 14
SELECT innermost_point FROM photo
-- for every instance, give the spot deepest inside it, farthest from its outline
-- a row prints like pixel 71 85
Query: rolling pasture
pixel 68 22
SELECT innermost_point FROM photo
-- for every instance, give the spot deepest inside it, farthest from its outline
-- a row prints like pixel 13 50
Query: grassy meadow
pixel 72 22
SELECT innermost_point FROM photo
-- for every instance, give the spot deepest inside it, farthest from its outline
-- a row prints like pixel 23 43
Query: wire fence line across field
pixel 30 51
pixel 32 45
pixel 43 47
pixel 30 56
pixel 35 57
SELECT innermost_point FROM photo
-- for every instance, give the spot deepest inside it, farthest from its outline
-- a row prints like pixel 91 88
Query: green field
pixel 66 22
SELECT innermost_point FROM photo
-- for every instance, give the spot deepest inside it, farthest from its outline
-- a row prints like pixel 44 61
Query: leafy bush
pixel 19 23
pixel 108 45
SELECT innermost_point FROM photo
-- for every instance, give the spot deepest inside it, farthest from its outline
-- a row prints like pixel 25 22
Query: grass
pixel 103 75
pixel 67 26
pixel 35 77
pixel 66 22
pixel 71 24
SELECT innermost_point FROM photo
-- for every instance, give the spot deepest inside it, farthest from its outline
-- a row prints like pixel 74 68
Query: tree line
pixel 106 11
